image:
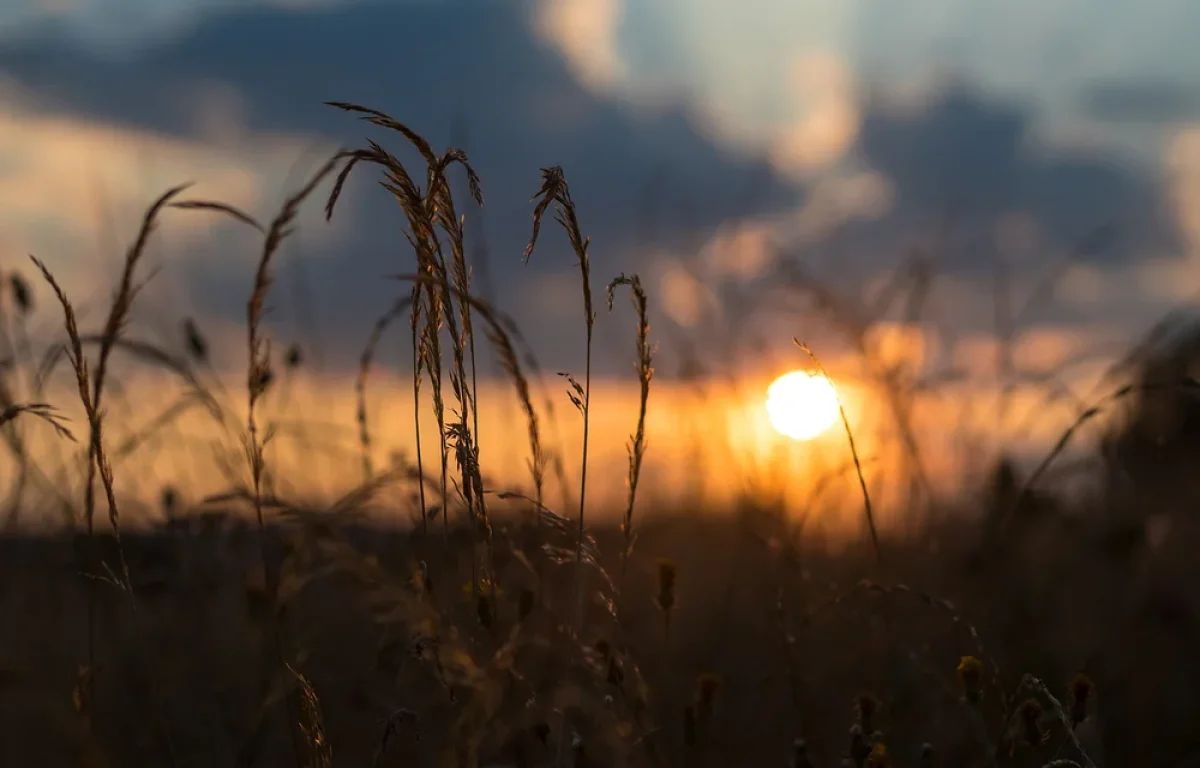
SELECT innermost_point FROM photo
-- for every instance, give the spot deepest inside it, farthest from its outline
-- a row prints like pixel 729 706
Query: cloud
pixel 955 178
pixel 741 250
pixel 972 158
pixel 1151 101
pixel 1151 282
pixel 734 61
pixel 826 118
pixel 73 191
pixel 964 158
pixel 1183 167
pixel 237 77
pixel 586 33
pixel 650 109
pixel 702 139
pixel 837 201
pixel 749 248
pixel 792 100
pixel 685 298
pixel 109 28
pixel 901 345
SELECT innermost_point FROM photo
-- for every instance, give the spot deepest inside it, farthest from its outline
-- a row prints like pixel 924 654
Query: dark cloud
pixel 432 65
pixel 1142 102
pixel 960 167
pixel 472 68
pixel 972 159
pixel 476 67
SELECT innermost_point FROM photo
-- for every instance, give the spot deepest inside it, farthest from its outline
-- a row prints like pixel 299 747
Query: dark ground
pixel 181 680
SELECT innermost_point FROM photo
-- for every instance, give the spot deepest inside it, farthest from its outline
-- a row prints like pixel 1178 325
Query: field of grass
pixel 1010 628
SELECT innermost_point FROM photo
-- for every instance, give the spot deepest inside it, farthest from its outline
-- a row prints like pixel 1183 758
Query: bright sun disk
pixel 801 405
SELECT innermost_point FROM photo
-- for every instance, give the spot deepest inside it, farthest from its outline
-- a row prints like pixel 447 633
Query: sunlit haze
pixel 801 405
pixel 971 214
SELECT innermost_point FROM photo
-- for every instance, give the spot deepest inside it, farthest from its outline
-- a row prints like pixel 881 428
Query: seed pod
pixel 800 754
pixel 860 748
pixel 264 379
pixel 927 755
pixel 169 501
pixel 294 357
pixel 1031 716
pixel 878 757
pixel 1080 691
pixel 707 686
pixel 666 591
pixel 866 706
pixel 22 296
pixel 970 674
pixel 616 675
pixel 197 346
pixel 602 648
pixel 426 579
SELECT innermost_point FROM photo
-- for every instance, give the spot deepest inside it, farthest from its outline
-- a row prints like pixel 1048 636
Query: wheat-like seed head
pixel 43 411
pixel 637 441
pixel 98 458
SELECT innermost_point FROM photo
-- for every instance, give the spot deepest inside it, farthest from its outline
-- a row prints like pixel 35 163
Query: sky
pixel 719 149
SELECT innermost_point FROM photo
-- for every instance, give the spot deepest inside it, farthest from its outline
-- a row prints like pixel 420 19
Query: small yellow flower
pixel 484 587
pixel 878 757
pixel 970 674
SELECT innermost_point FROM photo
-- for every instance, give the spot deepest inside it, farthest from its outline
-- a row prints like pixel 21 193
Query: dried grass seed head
pixel 196 344
pixel 294 357
pixel 800 758
pixel 1028 727
pixel 970 675
pixel 860 747
pixel 616 672
pixel 21 292
pixel 866 706
pixel 602 648
pixel 169 501
pixel 878 757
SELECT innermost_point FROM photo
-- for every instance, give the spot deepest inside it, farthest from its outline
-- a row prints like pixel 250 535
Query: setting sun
pixel 801 405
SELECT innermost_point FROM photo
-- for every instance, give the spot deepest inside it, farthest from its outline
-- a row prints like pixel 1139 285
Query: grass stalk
pixel 868 509
pixel 554 191
pixel 258 368
pixel 637 441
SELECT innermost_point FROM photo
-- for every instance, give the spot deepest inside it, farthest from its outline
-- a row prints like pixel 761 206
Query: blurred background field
pixel 983 223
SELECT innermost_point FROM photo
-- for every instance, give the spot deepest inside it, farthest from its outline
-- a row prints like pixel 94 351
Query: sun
pixel 802 405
